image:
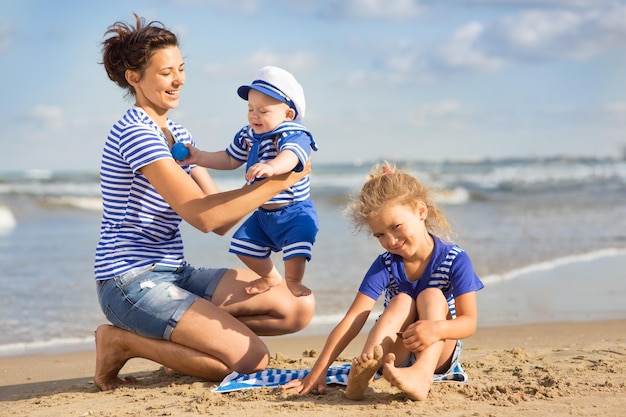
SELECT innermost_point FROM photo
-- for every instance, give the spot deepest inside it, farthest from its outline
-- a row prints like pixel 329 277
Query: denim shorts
pixel 150 300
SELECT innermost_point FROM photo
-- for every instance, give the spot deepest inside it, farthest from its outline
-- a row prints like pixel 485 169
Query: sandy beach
pixel 560 369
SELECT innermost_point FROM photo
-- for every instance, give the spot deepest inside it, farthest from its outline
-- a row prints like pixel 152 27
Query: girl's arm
pixel 464 325
pixel 210 212
pixel 338 339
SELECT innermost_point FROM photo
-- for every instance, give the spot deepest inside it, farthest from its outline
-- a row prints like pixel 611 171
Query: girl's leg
pixel 382 338
pixel 268 274
pixel 294 272
pixel 207 343
pixel 416 380
pixel 271 313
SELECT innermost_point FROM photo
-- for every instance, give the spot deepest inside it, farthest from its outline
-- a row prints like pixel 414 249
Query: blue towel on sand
pixel 272 378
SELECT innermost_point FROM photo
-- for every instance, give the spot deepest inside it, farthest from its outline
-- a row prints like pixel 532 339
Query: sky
pixel 383 79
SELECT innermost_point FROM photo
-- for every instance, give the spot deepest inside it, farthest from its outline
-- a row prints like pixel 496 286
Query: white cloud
pixel 617 108
pixel 47 117
pixel 553 34
pixel 239 6
pixel 382 9
pixel 489 46
pixel 296 61
pixel 443 111
pixel 463 51
pixel 543 3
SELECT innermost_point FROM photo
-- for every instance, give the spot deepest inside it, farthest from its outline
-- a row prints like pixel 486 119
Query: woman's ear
pixel 132 77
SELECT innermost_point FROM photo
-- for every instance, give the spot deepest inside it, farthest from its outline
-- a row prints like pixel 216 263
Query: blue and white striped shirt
pixel 251 148
pixel 138 227
pixel 449 269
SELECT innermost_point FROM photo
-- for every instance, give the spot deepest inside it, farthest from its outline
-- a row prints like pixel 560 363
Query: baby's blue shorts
pixel 291 229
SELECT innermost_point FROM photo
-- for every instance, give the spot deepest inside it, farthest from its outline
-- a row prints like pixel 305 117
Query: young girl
pixel 430 293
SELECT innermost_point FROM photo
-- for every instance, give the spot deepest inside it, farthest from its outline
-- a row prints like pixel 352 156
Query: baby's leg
pixel 294 272
pixel 269 275
pixel 361 373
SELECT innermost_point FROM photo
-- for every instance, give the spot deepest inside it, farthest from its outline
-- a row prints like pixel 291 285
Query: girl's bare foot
pixel 361 373
pixel 415 384
pixel 263 284
pixel 109 361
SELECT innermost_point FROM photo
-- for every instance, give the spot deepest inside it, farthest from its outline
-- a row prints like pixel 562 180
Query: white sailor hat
pixel 279 84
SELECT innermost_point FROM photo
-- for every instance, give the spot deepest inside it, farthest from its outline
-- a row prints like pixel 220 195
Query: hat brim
pixel 244 90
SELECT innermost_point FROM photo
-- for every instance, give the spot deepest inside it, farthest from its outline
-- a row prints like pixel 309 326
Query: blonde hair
pixel 385 183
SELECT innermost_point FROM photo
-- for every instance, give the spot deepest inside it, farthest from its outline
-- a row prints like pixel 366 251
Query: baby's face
pixel 265 112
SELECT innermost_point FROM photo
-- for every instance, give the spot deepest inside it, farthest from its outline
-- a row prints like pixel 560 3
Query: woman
pixel 195 321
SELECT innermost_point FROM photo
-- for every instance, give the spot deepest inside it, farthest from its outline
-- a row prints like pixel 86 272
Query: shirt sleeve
pixel 238 148
pixel 300 144
pixel 142 146
pixel 376 279
pixel 462 276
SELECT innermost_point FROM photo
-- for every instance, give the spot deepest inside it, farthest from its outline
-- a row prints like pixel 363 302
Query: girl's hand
pixel 305 386
pixel 420 335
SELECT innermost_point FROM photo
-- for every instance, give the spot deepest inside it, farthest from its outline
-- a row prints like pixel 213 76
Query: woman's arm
pixel 210 212
pixel 284 162
pixel 204 180
pixel 338 339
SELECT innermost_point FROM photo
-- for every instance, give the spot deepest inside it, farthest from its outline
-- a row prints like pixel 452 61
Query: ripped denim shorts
pixel 150 300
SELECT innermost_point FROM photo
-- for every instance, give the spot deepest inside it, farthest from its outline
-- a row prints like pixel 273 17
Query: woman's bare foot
pixel 263 284
pixel 361 373
pixel 109 362
pixel 414 383
pixel 297 289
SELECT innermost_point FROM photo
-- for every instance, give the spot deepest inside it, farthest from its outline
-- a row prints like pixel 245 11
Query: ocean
pixel 546 235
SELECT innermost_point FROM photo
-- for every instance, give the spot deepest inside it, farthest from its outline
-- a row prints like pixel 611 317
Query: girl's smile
pixel 401 230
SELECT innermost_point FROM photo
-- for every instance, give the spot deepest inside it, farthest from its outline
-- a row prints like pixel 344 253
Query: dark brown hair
pixel 131 48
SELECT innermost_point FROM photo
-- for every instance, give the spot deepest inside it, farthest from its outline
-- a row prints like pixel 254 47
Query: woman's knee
pixel 300 314
pixel 256 359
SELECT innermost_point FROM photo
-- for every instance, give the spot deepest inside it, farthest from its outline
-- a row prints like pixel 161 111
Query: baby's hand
pixel 192 155
pixel 259 171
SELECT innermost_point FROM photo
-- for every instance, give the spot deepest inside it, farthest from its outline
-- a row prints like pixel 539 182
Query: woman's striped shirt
pixel 138 226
